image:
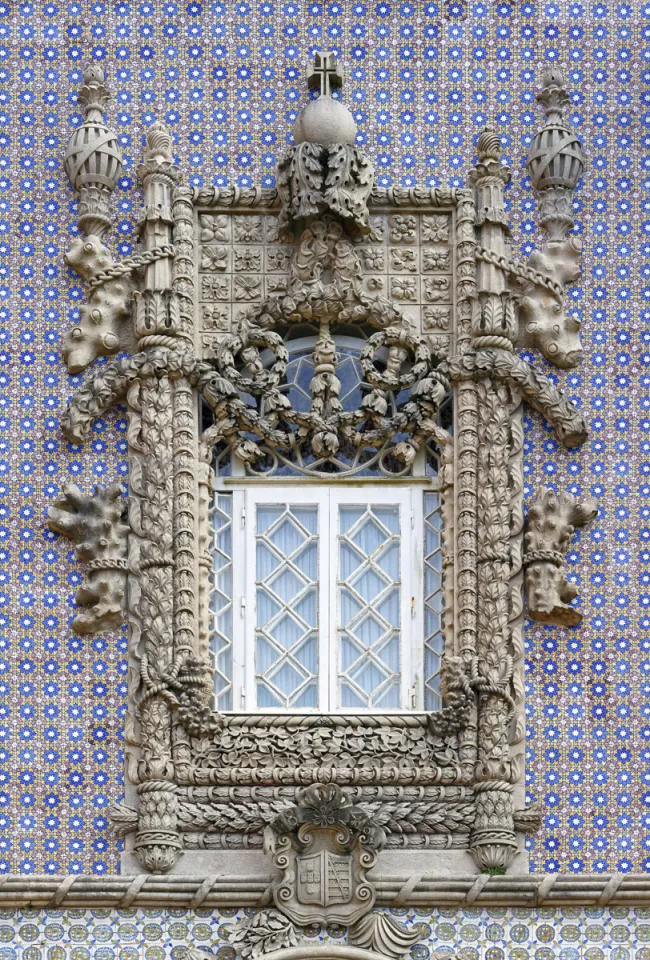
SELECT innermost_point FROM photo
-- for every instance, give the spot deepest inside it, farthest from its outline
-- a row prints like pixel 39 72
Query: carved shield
pixel 324 878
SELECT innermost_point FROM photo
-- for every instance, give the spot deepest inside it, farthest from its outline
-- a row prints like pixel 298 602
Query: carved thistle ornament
pixel 229 293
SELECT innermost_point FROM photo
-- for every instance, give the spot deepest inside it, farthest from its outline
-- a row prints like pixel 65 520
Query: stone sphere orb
pixel 325 121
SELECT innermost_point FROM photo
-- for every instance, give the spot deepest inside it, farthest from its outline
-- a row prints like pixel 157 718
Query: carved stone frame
pixel 446 783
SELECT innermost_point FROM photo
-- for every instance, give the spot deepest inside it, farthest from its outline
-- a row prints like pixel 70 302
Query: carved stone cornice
pixel 212 892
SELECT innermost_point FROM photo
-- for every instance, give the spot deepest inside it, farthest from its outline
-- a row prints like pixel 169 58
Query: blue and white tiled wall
pixel 228 79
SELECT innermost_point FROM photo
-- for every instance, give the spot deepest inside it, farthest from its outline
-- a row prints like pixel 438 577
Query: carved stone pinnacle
pixel 93 160
pixel 325 121
pixel 555 160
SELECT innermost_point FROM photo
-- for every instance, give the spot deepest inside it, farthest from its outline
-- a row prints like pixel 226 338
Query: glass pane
pixel 368 606
pixel 221 600
pixel 286 575
pixel 433 602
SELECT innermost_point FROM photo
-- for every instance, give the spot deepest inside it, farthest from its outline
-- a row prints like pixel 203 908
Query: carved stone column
pixel 153 408
pixel 464 608
pixel 493 840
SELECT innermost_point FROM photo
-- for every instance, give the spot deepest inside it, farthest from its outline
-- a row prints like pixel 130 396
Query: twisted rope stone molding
pixel 219 890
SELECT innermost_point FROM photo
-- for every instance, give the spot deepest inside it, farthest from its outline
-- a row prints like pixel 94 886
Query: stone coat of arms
pixel 324 846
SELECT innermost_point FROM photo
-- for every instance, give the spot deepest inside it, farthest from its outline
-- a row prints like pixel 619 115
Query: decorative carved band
pixel 78 891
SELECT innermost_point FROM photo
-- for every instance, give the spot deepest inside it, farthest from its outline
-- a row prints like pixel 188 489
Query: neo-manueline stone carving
pixel 324 847
pixel 552 520
pixel 555 165
pixel 95 523
pixel 206 310
pixel 94 163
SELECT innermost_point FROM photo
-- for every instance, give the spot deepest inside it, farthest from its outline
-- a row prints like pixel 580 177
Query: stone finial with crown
pixel 325 172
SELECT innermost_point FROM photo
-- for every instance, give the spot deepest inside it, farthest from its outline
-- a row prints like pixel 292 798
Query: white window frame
pixel 328 497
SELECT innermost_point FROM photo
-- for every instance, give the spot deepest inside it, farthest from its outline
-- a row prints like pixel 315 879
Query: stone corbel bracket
pixel 95 523
pixel 552 520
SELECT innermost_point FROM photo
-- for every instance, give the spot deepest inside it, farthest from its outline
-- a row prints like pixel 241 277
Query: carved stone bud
pixel 93 160
pixel 552 520
pixel 94 523
pixel 156 313
pixel 555 160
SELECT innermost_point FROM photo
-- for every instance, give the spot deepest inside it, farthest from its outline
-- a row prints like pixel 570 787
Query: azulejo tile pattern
pixel 497 933
pixel 422 77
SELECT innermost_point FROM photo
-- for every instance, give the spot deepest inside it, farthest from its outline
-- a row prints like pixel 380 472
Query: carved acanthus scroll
pixel 552 520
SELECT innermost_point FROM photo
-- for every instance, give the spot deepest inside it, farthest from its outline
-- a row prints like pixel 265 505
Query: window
pixel 322 597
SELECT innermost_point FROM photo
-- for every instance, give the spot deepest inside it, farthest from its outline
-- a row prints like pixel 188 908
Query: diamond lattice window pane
pixel 286 585
pixel 307 699
pixel 369 584
pixel 433 602
pixel 221 631
pixel 286 536
pixel 286 641
pixel 369 536
pixel 368 604
pixel 287 631
pixel 351 560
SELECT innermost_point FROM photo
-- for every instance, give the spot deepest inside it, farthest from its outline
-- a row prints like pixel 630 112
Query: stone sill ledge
pixel 212 892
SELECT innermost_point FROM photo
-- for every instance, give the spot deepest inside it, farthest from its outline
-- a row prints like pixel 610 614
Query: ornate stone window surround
pixel 203 786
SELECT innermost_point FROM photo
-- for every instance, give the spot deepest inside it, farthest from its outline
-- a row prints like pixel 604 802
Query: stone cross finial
pixel 325 75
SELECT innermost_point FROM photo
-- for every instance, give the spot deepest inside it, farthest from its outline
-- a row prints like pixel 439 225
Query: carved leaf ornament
pixel 208 310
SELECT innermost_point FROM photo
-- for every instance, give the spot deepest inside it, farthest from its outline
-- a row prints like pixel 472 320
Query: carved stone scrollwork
pixel 552 520
pixel 95 523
